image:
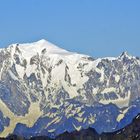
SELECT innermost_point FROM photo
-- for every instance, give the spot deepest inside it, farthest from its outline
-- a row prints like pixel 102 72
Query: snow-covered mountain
pixel 46 90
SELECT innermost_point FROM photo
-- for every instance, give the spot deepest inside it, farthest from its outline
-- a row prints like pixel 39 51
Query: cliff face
pixel 46 90
pixel 130 132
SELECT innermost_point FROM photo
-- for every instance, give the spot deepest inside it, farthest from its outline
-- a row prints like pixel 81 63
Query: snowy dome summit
pixel 46 90
pixel 45 47
pixel 40 46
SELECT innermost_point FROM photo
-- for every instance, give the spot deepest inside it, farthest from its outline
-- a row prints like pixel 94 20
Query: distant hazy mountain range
pixel 46 90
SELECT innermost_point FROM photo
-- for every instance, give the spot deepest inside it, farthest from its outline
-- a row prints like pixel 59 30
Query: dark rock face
pixel 15 137
pixel 130 132
pixel 3 122
pixel 88 134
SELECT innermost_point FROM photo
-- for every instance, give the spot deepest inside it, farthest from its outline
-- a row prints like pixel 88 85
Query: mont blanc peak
pixel 41 46
pixel 67 91
pixel 45 48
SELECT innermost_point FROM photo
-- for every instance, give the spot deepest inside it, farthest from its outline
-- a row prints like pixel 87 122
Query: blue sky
pixel 95 27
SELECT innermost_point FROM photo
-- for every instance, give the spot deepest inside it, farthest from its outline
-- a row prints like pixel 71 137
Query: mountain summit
pixel 40 47
pixel 46 90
